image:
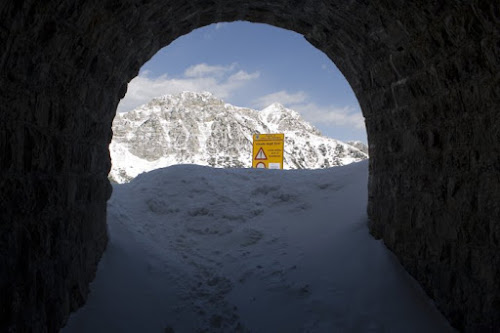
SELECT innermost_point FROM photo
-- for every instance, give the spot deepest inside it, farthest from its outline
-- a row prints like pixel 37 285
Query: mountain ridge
pixel 199 128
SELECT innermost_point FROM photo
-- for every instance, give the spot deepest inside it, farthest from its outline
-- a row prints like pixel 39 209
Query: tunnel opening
pixel 200 100
pixel 416 69
pixel 251 251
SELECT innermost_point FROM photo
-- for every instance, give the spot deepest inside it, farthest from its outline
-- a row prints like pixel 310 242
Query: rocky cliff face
pixel 198 128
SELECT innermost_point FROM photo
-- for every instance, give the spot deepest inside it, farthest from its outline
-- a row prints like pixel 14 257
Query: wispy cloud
pixel 242 76
pixel 348 116
pixel 282 97
pixel 204 70
pixel 220 80
pixel 220 25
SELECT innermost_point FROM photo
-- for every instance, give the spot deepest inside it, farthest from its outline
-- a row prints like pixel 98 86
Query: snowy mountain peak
pixel 279 119
pixel 199 128
pixel 274 107
pixel 276 112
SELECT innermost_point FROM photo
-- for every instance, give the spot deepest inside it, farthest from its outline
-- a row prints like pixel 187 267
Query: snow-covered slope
pixel 198 128
pixel 360 145
pixel 199 249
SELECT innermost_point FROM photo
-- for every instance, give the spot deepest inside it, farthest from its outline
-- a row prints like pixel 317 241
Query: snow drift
pixel 198 249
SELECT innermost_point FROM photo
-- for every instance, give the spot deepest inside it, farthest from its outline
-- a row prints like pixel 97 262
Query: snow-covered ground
pixel 197 249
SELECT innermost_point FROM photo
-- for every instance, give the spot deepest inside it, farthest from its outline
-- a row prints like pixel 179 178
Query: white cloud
pixel 332 115
pixel 222 81
pixel 203 70
pixel 241 76
pixel 282 97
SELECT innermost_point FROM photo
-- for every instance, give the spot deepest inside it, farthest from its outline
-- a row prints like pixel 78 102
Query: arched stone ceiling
pixel 425 74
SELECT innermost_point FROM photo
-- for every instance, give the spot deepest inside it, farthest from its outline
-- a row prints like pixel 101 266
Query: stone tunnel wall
pixel 53 161
pixel 434 193
pixel 426 76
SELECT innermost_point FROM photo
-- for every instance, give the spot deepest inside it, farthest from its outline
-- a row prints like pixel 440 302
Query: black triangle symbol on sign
pixel 261 155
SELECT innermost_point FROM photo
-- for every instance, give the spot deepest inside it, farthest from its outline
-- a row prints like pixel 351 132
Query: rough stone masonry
pixel 426 74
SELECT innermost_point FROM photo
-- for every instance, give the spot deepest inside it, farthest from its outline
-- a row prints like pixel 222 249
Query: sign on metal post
pixel 268 151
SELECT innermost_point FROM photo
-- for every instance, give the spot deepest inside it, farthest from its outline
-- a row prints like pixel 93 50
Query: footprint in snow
pixel 251 237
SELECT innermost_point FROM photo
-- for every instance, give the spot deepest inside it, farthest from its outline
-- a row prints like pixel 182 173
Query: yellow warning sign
pixel 268 151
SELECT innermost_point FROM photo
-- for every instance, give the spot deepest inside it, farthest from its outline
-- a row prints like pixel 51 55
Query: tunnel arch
pixel 425 75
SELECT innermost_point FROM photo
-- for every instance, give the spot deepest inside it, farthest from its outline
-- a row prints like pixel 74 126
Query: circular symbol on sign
pixel 260 165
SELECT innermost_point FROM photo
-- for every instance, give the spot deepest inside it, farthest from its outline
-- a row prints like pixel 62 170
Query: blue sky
pixel 253 65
